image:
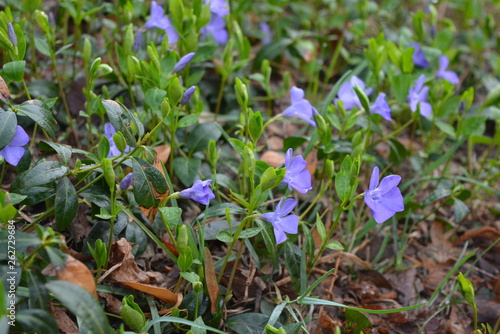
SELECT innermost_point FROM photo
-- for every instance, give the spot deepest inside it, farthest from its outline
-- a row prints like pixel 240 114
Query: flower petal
pixel 425 109
pixel 279 235
pixel 374 178
pixel 20 138
pixel 296 94
pixel 388 183
pixel 393 200
pixel 443 63
pixel 284 208
pixel 289 224
pixel 382 214
pixel 12 154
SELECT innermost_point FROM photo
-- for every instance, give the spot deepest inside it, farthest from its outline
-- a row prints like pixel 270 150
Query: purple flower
pixel 218 7
pixel 137 41
pixel 381 107
pixel 187 95
pixel 200 192
pixel 347 94
pixel 109 131
pixel 442 73
pixel 266 32
pixel 126 181
pixel 282 224
pixel 12 34
pixel 300 107
pixel 418 94
pixel 419 56
pixel 14 151
pixel 183 62
pixel 297 176
pixel 217 28
pixel 158 20
pixel 384 200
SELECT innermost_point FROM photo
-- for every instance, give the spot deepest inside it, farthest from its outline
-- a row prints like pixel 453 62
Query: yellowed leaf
pixel 76 272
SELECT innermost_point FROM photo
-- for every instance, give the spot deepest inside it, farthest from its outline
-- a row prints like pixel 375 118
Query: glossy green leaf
pixel 293 256
pixel 201 135
pixel 37 321
pixel 66 203
pixel 342 180
pixel 148 182
pixel 250 232
pixel 63 151
pixel 80 302
pixel 14 70
pixel 186 169
pixel 103 147
pixel 358 320
pixel 43 173
pixel 124 121
pixel 8 123
pixel 39 296
pixel 36 110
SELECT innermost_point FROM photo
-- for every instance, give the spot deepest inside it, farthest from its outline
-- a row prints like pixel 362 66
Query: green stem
pixel 219 97
pixel 336 220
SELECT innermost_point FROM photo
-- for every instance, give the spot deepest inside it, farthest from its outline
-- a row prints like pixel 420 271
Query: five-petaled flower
pixel 200 191
pixel 109 131
pixel 442 73
pixel 347 94
pixel 300 107
pixel 14 151
pixel 280 221
pixel 158 20
pixel 381 107
pixel 419 56
pixel 384 199
pixel 217 28
pixel 418 95
pixel 218 7
pixel 297 176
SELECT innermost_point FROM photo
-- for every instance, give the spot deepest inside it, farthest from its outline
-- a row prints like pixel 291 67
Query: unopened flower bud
pixel 183 62
pixel 137 42
pixel 126 181
pixel 12 35
pixel 187 95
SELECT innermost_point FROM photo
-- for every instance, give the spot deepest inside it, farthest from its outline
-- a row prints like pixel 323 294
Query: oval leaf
pixel 66 203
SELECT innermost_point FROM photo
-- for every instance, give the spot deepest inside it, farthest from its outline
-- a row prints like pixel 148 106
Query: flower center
pixel 376 195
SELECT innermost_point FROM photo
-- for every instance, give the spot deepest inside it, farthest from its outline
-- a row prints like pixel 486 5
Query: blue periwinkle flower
pixel 297 176
pixel 281 222
pixel 14 151
pixel 109 131
pixel 126 181
pixel 381 107
pixel 347 94
pixel 158 20
pixel 200 192
pixel 419 56
pixel 442 73
pixel 300 107
pixel 12 34
pixel 183 62
pixel 187 95
pixel 217 28
pixel 418 94
pixel 218 7
pixel 137 41
pixel 384 199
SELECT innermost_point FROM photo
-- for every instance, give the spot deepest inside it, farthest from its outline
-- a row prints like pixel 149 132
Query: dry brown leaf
pixel 211 278
pixel 162 153
pixel 312 162
pixel 4 90
pixel 76 272
pixel 161 293
pixel 326 325
pixel 274 159
pixel 64 322
pixel 126 268
pixel 113 304
pixel 486 232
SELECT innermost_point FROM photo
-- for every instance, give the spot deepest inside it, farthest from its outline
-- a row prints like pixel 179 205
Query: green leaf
pixel 177 320
pixel 80 302
pixel 172 215
pixel 39 297
pixel 358 320
pixel 201 135
pixel 293 256
pixel 103 148
pixel 66 203
pixel 335 245
pixel 317 301
pixel 320 227
pixel 37 321
pixel 8 123
pixel 148 182
pixel 154 97
pixel 187 121
pixel 43 173
pixel 124 121
pixel 97 195
pixel 475 125
pixel 400 84
pixel 271 51
pixel 250 232
pixel 343 179
pixel 63 151
pixel 293 142
pixel 398 152
pixel 14 70
pixel 248 323
pixel 186 169
pixel 408 60
pixel 269 238
pixel 224 236
pixel 255 126
pixel 35 110
pixel 461 210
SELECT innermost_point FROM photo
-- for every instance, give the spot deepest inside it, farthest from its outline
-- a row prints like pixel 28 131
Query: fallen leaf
pixel 163 152
pixel 64 322
pixel 211 279
pixel 274 159
pixel 76 272
pixel 161 293
pixel 124 266
pixel 4 90
pixel 113 304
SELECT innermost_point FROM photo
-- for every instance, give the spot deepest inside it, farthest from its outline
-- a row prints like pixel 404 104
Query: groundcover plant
pixel 236 166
